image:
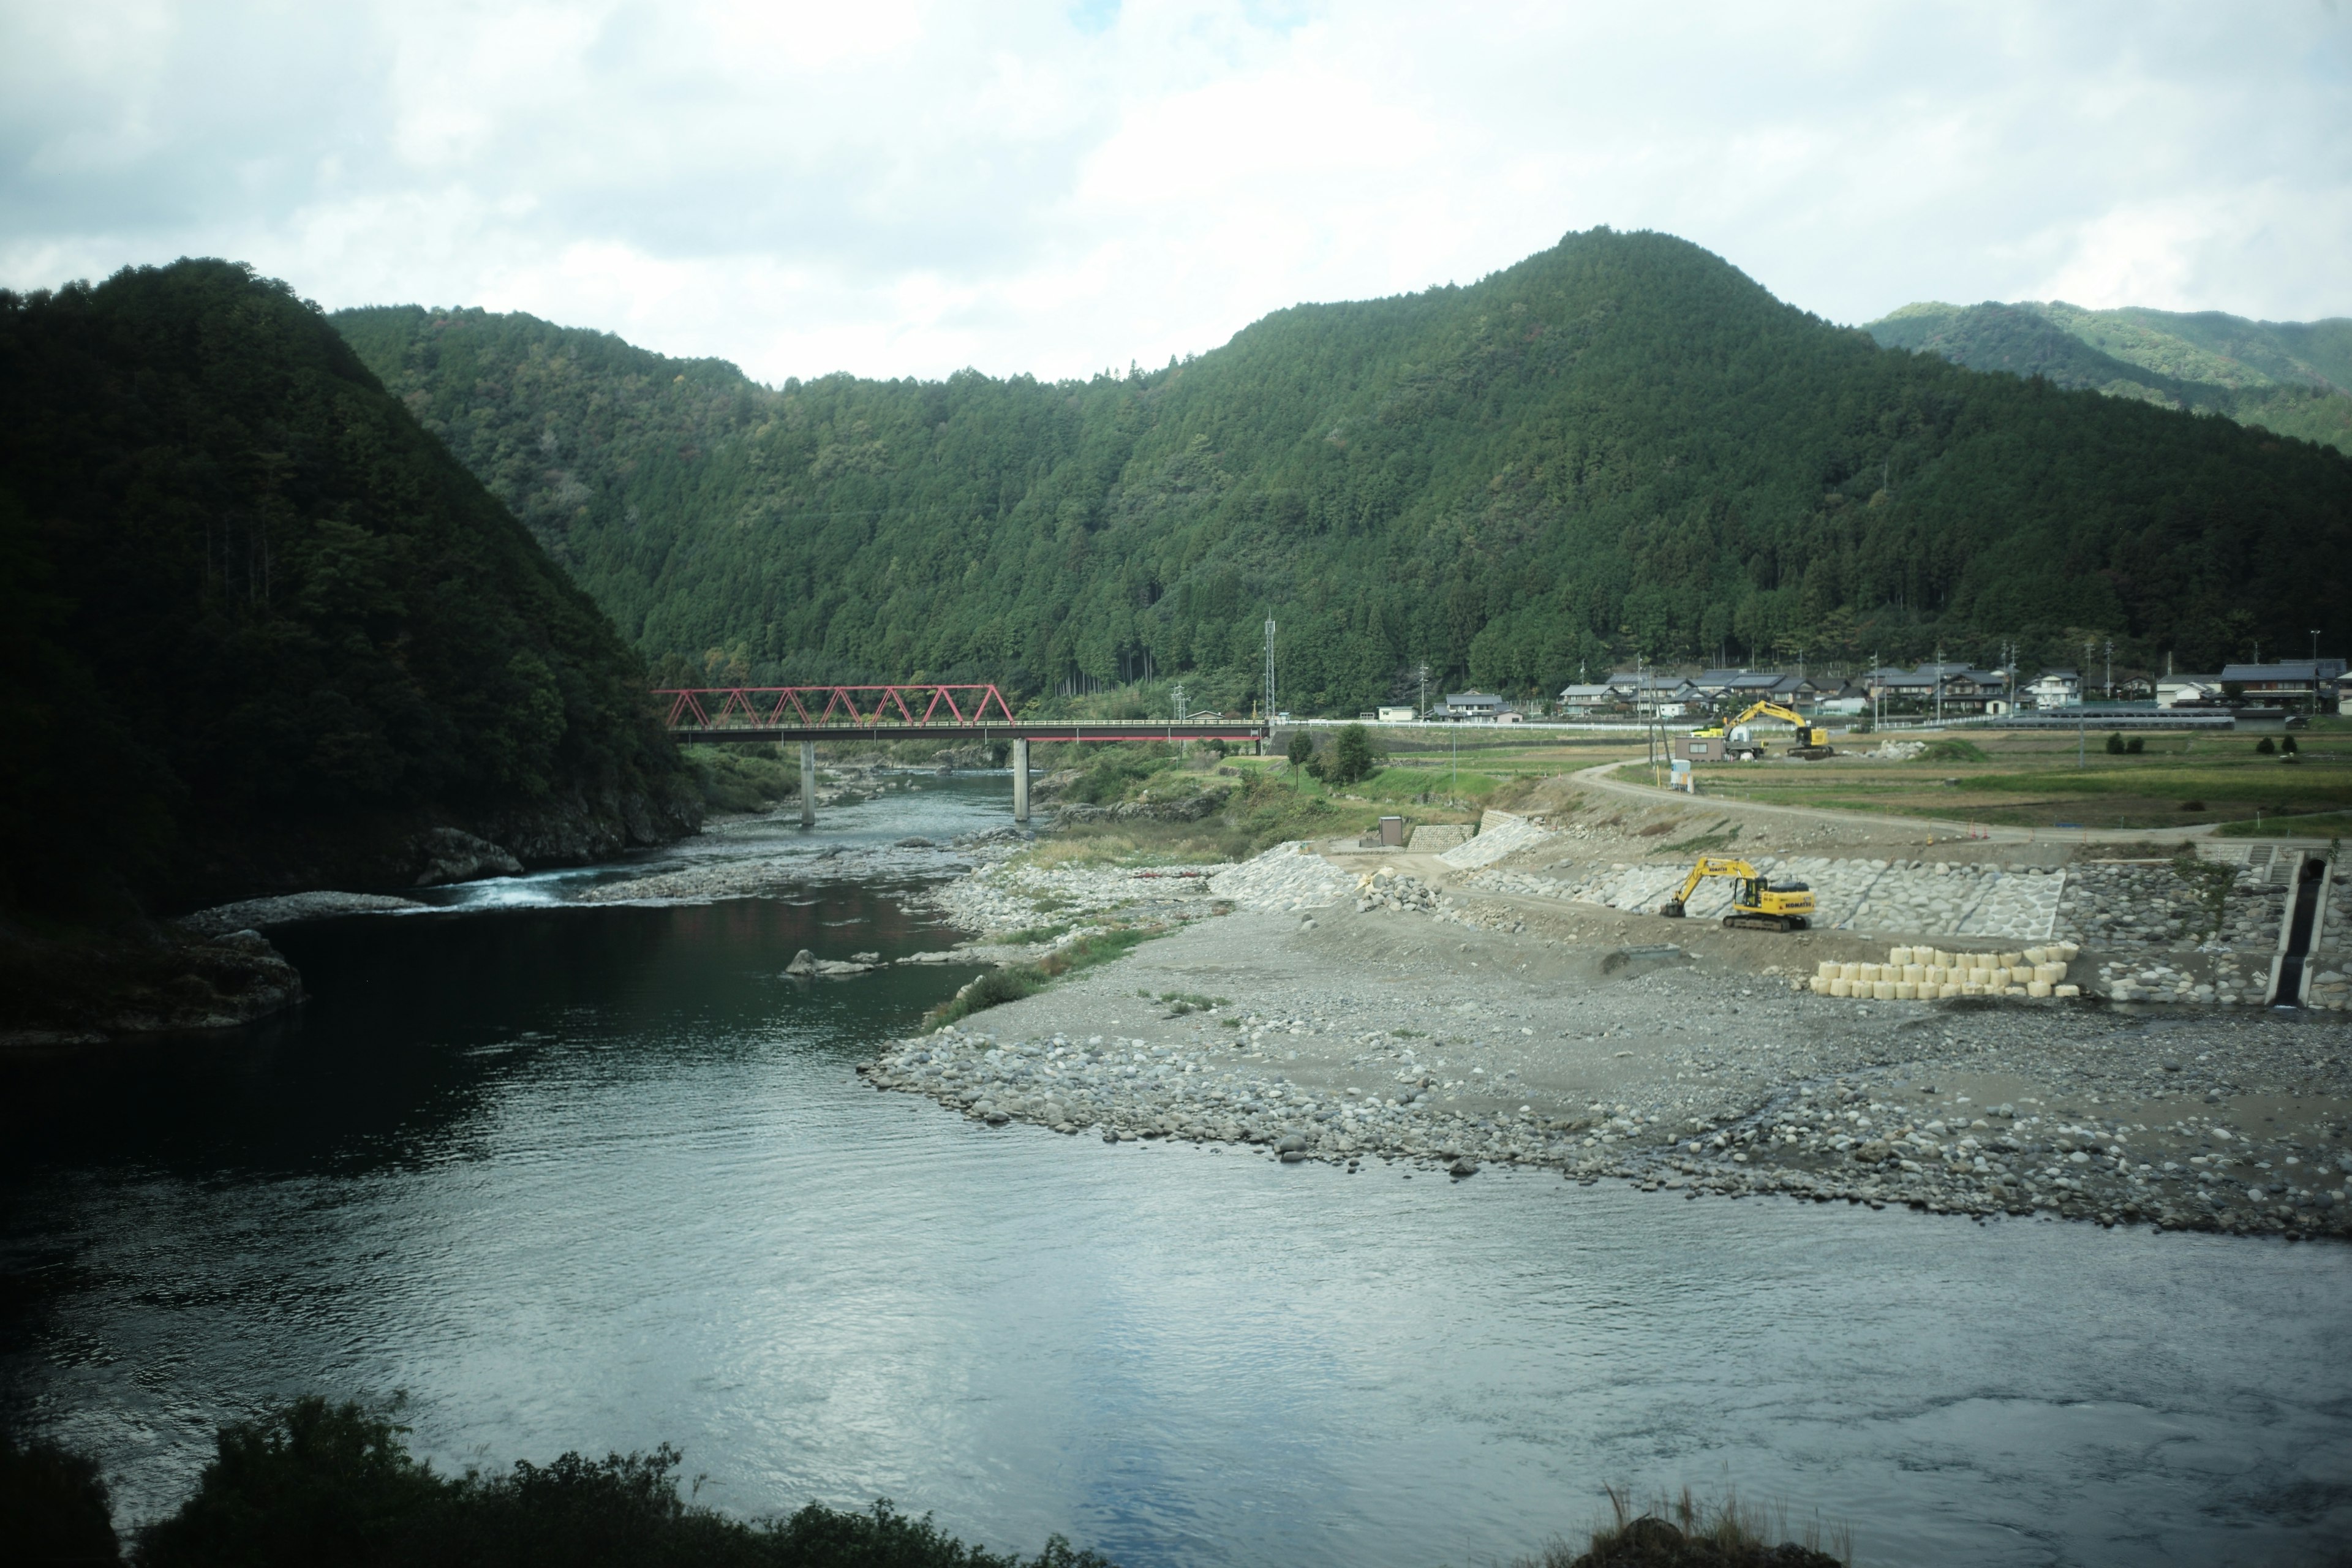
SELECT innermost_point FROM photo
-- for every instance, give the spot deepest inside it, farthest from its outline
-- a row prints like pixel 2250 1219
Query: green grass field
pixel 2034 780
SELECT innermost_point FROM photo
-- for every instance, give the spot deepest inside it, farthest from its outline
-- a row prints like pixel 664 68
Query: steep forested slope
pixel 261 629
pixel 1620 445
pixel 2292 377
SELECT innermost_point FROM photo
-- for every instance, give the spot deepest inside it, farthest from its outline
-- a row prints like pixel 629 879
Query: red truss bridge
pixel 914 713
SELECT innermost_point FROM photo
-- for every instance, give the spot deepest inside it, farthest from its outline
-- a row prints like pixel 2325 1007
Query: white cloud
pixel 905 187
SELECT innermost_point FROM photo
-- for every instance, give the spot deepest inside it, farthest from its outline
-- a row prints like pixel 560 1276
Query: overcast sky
pixel 904 188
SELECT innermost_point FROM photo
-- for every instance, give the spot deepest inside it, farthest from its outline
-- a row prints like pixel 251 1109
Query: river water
pixel 602 1177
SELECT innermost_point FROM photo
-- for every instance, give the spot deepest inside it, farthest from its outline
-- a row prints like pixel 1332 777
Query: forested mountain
pixel 261 629
pixel 1621 444
pixel 2292 377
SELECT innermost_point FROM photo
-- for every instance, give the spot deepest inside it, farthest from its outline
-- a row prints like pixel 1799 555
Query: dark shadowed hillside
pixel 1622 444
pixel 262 631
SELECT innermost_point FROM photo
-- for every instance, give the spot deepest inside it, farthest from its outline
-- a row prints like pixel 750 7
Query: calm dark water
pixel 601 1178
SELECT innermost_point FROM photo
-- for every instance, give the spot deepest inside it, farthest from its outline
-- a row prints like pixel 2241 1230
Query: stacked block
pixel 1922 974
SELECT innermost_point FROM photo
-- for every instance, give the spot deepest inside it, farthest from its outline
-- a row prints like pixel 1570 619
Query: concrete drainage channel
pixel 2291 976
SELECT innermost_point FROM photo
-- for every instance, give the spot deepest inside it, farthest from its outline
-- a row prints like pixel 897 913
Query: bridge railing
pixel 849 707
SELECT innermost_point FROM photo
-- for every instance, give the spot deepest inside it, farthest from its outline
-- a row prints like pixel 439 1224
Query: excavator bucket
pixel 1672 908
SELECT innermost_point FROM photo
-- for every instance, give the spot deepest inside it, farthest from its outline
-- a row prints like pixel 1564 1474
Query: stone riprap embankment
pixel 1500 834
pixel 2149 905
pixel 1374 1035
pixel 1885 897
pixel 1289 877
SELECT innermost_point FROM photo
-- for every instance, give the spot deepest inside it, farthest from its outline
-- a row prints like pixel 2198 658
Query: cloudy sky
pixel 898 187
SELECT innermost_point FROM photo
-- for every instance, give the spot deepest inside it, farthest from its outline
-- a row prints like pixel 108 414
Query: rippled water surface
pixel 603 1178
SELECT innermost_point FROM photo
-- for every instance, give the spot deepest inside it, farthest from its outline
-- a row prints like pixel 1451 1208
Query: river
pixel 602 1177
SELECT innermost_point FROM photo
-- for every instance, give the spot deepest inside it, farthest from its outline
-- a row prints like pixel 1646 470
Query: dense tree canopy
pixel 245 595
pixel 1622 444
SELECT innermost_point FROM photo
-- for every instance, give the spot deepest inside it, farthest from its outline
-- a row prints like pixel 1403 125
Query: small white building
pixel 2172 691
pixel 1397 715
pixel 2056 689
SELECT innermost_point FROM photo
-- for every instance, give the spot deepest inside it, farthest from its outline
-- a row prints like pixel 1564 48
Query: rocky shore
pixel 1443 1032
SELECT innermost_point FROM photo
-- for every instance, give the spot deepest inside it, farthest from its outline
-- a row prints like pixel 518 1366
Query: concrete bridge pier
pixel 808 783
pixel 1021 781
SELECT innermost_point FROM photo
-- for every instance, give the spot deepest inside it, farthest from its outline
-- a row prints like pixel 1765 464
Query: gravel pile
pixel 1389 889
pixel 1002 898
pixel 1286 877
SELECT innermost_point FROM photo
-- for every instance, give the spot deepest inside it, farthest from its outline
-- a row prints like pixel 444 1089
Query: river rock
pixel 452 855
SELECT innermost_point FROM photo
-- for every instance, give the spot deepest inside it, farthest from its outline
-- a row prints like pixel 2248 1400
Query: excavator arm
pixel 1708 866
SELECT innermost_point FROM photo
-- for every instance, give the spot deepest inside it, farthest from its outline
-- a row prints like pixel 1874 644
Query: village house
pixel 1586 702
pixel 1475 705
pixel 2054 689
pixel 2304 683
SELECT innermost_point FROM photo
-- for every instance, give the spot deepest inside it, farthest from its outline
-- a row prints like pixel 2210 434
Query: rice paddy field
pixel 2038 779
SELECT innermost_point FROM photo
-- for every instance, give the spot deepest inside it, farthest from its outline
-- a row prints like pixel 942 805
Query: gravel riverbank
pixel 1677 1055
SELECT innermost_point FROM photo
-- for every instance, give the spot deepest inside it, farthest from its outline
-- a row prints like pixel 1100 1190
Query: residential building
pixel 1759 685
pixel 1584 701
pixel 1956 688
pixel 2054 689
pixel 2187 691
pixel 2290 683
pixel 1473 705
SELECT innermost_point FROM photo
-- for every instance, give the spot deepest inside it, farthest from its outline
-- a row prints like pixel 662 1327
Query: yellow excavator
pixel 1755 903
pixel 1812 741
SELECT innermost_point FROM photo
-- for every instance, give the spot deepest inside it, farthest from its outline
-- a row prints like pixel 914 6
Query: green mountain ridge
pixel 2291 377
pixel 1621 444
pixel 263 632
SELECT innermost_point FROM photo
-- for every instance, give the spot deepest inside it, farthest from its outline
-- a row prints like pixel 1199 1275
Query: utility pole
pixel 1177 697
pixel 2111 670
pixel 1939 685
pixel 2314 645
pixel 1423 711
pixel 2082 708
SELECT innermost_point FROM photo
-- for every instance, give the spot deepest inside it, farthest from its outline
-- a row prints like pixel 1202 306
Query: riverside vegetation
pixel 1621 444
pixel 313 1482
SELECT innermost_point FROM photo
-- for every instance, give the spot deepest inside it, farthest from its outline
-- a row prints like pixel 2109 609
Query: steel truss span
pixel 909 713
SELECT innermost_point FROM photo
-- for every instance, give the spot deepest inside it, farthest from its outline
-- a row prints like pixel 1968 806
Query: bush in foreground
pixel 318 1483
pixel 1683 1532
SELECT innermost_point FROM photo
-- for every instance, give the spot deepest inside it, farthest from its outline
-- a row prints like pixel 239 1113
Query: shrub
pixel 2137 745
pixel 52 1505
pixel 2263 747
pixel 1301 749
pixel 2115 745
pixel 316 1483
pixel 2192 806
pixel 2286 747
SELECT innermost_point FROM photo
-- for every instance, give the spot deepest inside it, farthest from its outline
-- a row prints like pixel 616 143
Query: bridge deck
pixel 1091 729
